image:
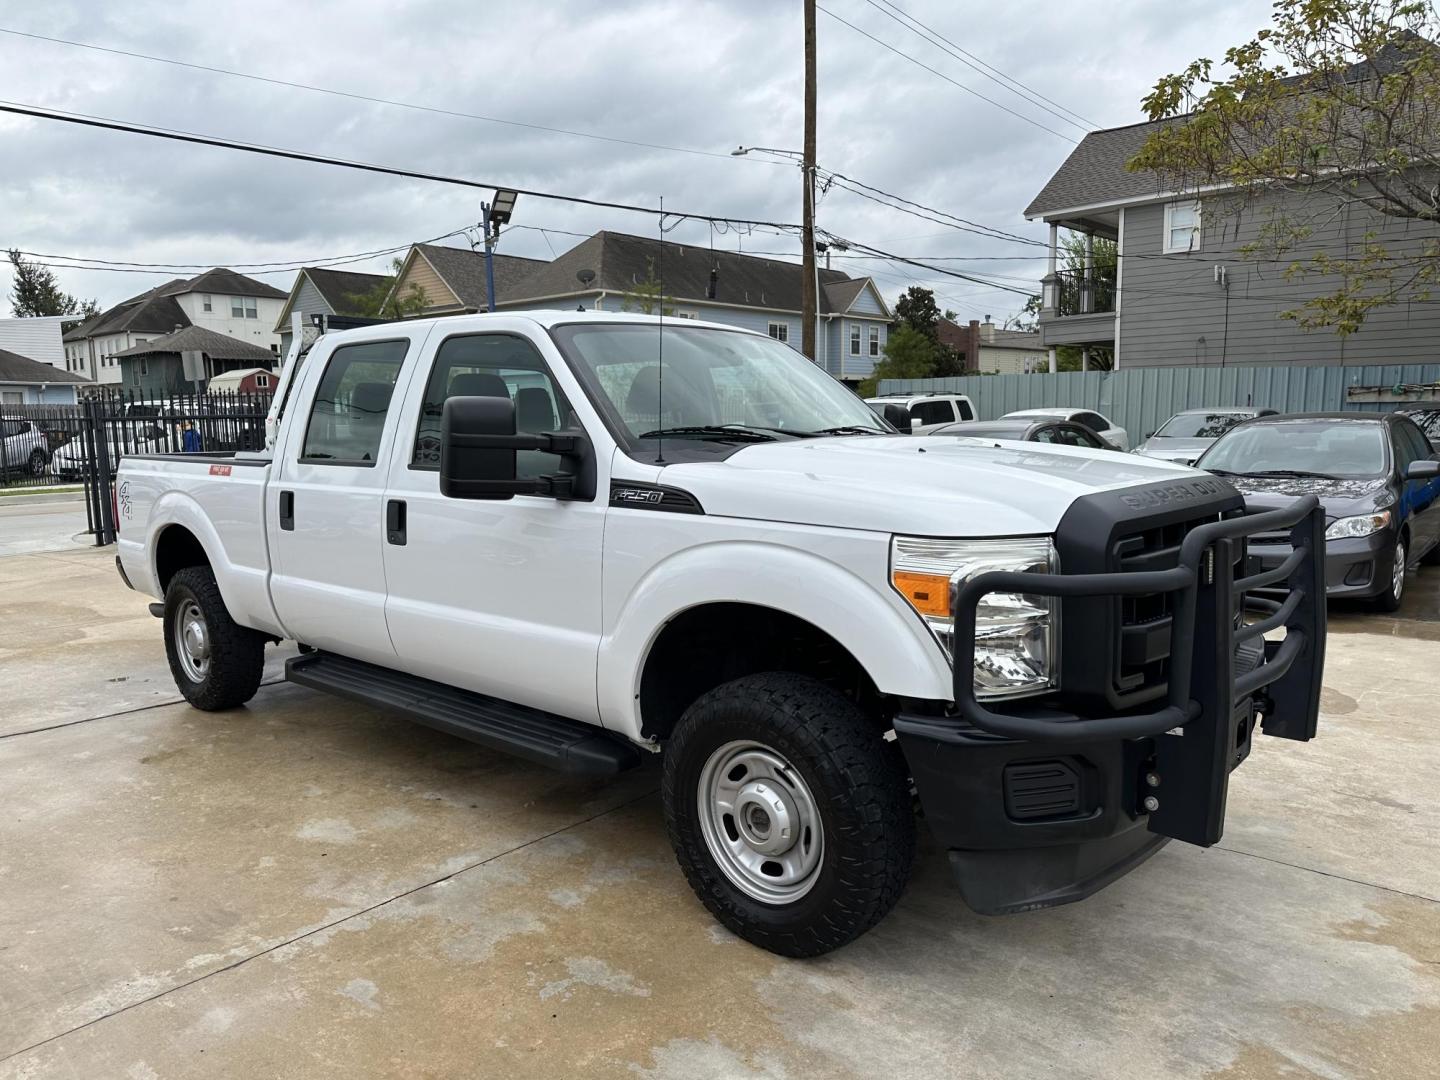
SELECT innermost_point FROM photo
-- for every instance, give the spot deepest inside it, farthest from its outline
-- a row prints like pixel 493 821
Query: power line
pixel 174 135
pixel 372 99
pixel 920 63
pixel 1016 87
pixel 973 225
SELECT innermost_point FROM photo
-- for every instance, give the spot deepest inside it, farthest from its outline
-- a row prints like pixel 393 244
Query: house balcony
pixel 1078 307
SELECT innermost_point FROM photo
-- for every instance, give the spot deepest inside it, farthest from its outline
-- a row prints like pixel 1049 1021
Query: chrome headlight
pixel 1016 634
pixel 1362 525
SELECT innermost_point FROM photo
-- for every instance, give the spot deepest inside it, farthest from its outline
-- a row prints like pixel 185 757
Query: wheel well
pixel 175 549
pixel 706 646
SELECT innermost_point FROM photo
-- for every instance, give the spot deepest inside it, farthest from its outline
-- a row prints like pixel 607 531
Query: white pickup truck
pixel 583 537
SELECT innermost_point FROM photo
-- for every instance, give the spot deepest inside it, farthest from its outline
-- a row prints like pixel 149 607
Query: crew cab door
pixel 497 596
pixel 325 504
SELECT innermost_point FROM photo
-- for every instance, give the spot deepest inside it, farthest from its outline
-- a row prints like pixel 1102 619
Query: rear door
pixel 497 596
pixel 325 505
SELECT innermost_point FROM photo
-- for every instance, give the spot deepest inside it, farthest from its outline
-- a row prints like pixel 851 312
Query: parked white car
pixel 927 411
pixel 1115 435
pixel 23 447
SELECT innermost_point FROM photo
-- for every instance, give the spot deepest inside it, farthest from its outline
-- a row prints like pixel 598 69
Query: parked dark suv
pixel 1374 473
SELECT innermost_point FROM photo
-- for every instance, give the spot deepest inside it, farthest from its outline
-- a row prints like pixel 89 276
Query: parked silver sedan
pixel 1187 435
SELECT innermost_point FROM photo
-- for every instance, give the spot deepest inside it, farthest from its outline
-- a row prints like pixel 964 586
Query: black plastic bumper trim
pixel 1029 879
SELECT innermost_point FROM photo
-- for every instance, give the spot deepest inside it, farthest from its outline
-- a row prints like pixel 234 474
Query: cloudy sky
pixel 699 77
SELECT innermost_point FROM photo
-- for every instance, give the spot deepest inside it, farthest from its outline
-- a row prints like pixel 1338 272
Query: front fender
pixel 868 619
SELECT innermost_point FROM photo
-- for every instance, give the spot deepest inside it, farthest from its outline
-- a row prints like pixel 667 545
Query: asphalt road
pixel 307 888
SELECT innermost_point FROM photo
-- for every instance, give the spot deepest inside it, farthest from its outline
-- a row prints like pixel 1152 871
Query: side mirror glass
pixel 1422 470
pixel 899 417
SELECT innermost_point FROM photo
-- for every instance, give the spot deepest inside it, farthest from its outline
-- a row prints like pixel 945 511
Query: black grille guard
pixel 1203 682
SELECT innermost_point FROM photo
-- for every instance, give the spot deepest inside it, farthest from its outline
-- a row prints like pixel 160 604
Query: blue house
pixel 28 382
pixel 613 271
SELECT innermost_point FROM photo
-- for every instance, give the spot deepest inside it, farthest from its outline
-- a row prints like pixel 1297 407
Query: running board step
pixel 542 737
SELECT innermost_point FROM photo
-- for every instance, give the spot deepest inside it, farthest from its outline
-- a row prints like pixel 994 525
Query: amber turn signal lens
pixel 929 594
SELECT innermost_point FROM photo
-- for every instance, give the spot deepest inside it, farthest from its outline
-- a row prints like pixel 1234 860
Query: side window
pixel 1094 421
pixel 966 413
pixel 492 365
pixel 1049 434
pixel 932 412
pixel 1077 436
pixel 347 417
pixel 1414 446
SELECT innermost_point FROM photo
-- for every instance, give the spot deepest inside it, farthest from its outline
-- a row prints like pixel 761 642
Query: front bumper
pixel 1356 566
pixel 1043 805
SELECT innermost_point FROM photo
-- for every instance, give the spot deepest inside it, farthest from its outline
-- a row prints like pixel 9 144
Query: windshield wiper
pixel 845 429
pixel 1295 472
pixel 719 432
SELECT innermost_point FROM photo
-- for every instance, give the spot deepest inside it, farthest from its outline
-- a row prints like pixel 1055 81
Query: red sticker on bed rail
pixel 219 470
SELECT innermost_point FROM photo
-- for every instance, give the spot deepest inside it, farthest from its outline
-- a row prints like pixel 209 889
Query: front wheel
pixel 217 663
pixel 1389 600
pixel 789 813
pixel 38 463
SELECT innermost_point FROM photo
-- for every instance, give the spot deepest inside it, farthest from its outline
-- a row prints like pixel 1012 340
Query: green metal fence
pixel 1141 399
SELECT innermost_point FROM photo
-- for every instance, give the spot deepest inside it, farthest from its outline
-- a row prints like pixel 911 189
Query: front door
pixel 497 596
pixel 325 507
pixel 1419 495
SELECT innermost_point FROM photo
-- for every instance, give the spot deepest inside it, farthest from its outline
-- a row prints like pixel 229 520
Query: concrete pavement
pixel 308 888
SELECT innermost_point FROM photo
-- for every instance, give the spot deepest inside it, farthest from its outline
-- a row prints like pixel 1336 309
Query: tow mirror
pixel 1422 470
pixel 898 417
pixel 477 454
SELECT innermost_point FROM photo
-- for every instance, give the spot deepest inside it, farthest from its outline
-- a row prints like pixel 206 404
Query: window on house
pixel 780 331
pixel 874 341
pixel 237 307
pixel 252 310
pixel 1182 227
pixel 205 302
pixel 262 381
pixel 854 341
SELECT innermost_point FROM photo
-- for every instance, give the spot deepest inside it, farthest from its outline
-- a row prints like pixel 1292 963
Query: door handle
pixel 395 522
pixel 287 511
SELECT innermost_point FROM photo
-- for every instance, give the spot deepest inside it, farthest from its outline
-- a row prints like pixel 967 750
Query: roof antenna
pixel 660 348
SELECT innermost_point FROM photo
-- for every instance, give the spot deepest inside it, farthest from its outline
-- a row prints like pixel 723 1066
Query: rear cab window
pixel 347 415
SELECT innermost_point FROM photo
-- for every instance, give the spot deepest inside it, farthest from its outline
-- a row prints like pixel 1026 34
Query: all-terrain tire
pixel 860 790
pixel 236 654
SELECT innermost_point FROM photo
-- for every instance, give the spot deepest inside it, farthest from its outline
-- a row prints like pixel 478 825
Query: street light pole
pixel 489 258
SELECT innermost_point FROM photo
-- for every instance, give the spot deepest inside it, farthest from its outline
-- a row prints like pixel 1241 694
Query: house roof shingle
pixel 464 271
pixel 622 262
pixel 341 288
pixel 1095 172
pixel 15 368
pixel 214 345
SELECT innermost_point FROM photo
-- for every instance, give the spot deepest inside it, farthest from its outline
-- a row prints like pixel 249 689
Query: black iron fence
pixel 50 446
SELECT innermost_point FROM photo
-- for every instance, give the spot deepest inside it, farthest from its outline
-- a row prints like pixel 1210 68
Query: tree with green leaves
pixel 35 292
pixel 916 308
pixel 909 354
pixel 648 297
pixel 379 304
pixel 1334 107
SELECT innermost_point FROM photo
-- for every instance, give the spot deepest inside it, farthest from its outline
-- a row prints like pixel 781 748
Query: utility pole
pixel 489 257
pixel 809 302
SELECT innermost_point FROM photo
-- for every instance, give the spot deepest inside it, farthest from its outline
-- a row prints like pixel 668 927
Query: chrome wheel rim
pixel 1397 574
pixel 760 822
pixel 192 641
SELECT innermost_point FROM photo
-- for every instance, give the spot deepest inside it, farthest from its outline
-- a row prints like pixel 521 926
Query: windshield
pixel 715 385
pixel 1207 425
pixel 1337 448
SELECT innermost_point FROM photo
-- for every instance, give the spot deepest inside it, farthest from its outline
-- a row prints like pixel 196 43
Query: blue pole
pixel 489 261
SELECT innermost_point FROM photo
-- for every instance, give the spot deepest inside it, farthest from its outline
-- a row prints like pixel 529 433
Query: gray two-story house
pixel 1183 291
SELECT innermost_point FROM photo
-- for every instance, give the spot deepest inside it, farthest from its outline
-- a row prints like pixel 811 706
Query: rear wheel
pixel 37 463
pixel 217 663
pixel 789 813
pixel 1389 600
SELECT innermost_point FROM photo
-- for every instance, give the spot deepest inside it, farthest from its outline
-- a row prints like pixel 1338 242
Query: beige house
pixel 985 349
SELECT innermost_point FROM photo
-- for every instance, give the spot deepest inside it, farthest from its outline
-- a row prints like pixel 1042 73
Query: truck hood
pixel 936 486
